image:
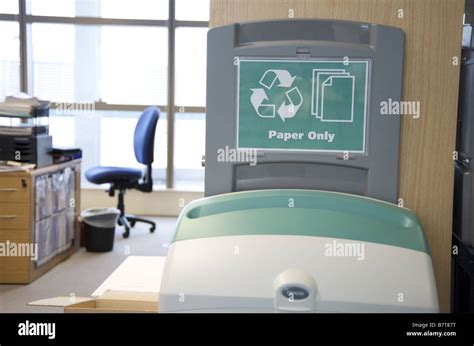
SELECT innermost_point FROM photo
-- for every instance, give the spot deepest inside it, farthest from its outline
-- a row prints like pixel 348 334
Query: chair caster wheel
pixel 126 234
pixel 152 229
pixel 132 223
pixel 119 222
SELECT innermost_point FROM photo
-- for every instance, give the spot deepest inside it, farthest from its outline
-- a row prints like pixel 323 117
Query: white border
pixel 314 108
pixel 353 100
pixel 365 61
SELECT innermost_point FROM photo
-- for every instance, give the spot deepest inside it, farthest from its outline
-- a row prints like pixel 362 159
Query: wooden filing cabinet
pixel 18 221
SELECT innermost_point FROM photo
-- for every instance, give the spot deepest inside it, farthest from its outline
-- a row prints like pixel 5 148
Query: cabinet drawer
pixel 14 189
pixel 15 269
pixel 14 216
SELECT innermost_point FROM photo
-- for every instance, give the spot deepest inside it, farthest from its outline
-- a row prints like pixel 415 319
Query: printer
pixel 34 149
pixel 26 138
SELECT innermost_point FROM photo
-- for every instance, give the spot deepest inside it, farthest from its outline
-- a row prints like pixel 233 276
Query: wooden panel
pixel 433 37
pixel 14 269
pixel 14 215
pixel 21 228
pixel 14 189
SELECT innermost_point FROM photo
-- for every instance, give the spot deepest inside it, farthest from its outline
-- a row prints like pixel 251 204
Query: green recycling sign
pixel 312 105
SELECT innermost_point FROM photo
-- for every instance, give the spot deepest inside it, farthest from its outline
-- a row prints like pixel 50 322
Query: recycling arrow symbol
pixel 271 76
pixel 293 96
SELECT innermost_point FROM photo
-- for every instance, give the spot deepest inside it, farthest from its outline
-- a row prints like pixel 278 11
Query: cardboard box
pixel 134 287
pixel 109 302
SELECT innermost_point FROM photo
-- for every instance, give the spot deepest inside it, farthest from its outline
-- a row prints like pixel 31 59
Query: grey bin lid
pixel 101 217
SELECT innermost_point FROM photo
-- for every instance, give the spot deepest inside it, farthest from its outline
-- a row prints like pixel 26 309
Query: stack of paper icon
pixel 333 95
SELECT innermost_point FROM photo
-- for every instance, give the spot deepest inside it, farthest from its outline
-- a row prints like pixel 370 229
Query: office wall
pixel 433 37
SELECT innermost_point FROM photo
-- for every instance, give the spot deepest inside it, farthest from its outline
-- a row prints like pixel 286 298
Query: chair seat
pixel 104 175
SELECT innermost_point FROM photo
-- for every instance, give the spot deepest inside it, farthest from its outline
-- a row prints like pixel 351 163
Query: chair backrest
pixel 144 138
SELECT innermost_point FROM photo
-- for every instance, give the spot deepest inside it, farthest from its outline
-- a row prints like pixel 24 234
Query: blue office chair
pixel 122 179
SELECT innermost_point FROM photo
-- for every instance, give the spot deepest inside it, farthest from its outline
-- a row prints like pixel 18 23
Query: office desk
pixel 23 213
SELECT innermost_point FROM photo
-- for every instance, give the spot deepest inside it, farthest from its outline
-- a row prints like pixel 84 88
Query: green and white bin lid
pixel 297 250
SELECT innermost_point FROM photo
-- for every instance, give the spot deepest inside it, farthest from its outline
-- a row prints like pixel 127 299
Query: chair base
pixel 129 221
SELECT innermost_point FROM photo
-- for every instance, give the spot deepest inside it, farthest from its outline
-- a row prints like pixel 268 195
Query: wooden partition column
pixel 433 31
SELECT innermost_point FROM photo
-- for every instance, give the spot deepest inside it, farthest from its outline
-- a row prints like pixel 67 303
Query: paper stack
pixel 21 105
pixel 13 166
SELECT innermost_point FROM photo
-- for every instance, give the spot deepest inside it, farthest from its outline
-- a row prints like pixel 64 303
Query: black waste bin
pixel 99 228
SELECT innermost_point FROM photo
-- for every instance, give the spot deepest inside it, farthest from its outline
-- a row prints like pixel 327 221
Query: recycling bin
pixel 99 228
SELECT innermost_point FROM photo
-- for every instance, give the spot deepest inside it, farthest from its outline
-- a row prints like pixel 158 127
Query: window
pixel 9 6
pixel 115 56
pixel 137 9
pixel 124 9
pixel 190 90
pixel 191 67
pixel 55 8
pixel 63 128
pixel 53 70
pixel 194 10
pixel 190 94
pixel 9 58
pixel 134 65
pixel 190 140
pixel 77 63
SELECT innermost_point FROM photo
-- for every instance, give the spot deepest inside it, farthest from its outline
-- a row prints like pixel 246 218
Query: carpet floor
pixel 84 271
